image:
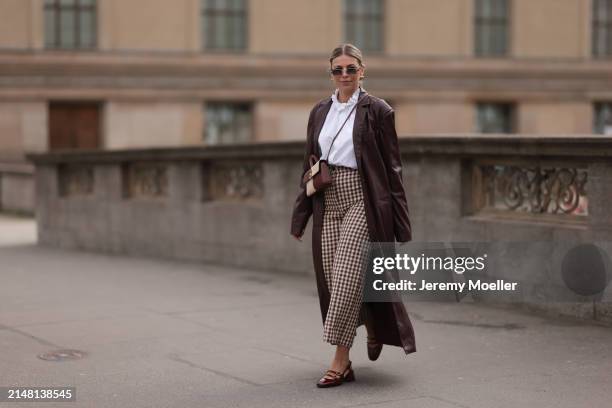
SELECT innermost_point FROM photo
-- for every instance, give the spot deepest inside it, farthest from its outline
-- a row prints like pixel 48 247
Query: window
pixel 491 27
pixel 364 24
pixel 224 24
pixel 602 120
pixel 70 24
pixel 228 123
pixel 602 28
pixel 495 117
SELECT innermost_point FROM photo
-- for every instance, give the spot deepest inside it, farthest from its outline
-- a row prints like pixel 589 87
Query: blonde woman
pixel 366 202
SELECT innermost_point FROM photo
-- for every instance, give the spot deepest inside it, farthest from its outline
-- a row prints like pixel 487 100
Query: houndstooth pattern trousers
pixel 344 236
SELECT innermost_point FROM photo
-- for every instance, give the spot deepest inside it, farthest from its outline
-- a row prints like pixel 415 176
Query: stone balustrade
pixel 231 204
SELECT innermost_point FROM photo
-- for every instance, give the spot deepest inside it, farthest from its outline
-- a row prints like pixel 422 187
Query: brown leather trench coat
pixel 380 170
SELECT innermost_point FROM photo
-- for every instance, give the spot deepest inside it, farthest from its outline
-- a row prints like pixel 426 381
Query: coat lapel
pixel 360 115
pixel 319 121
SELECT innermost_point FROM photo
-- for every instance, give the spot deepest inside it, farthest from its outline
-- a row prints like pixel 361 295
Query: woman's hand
pixel 298 237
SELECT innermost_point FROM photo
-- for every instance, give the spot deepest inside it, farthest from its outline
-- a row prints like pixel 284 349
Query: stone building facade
pixel 115 74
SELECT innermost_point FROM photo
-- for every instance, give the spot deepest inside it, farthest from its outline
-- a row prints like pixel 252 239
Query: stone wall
pixel 16 187
pixel 232 204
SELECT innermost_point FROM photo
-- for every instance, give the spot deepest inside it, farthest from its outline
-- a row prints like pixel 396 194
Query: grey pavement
pixel 161 333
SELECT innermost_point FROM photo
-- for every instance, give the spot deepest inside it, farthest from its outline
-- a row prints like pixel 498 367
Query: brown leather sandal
pixel 334 378
pixel 374 348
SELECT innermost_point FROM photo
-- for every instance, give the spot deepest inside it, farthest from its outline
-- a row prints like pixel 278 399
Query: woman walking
pixel 366 202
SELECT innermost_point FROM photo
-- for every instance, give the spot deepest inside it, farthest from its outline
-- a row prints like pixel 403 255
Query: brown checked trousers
pixel 344 238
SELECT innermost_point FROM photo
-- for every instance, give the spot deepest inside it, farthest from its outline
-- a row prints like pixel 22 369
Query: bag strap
pixel 345 120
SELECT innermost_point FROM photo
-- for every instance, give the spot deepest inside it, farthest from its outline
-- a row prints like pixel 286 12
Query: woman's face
pixel 346 73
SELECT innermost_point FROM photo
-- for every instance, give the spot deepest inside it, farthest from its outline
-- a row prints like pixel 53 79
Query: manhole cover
pixel 61 355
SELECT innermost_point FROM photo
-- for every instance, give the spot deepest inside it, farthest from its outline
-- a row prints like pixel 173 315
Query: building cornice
pixel 144 75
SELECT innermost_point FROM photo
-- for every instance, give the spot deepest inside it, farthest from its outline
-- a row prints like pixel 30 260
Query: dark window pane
pixel 495 118
pixel 67 29
pixel 483 8
pixel 491 27
pixel 363 23
pixel 498 9
pixel 602 28
pixel 86 28
pixel 240 32
pixel 224 24
pixel 50 28
pixel 221 33
pixel 499 40
pixel 70 24
pixel 602 119
pixel 228 123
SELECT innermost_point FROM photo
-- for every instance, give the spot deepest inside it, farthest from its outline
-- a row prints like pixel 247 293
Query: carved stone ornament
pixel 553 190
pixel 75 180
pixel 234 181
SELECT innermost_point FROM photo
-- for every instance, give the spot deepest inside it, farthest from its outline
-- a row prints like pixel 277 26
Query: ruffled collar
pixel 352 100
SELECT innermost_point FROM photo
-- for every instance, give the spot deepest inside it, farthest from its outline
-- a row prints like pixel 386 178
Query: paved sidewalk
pixel 172 334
